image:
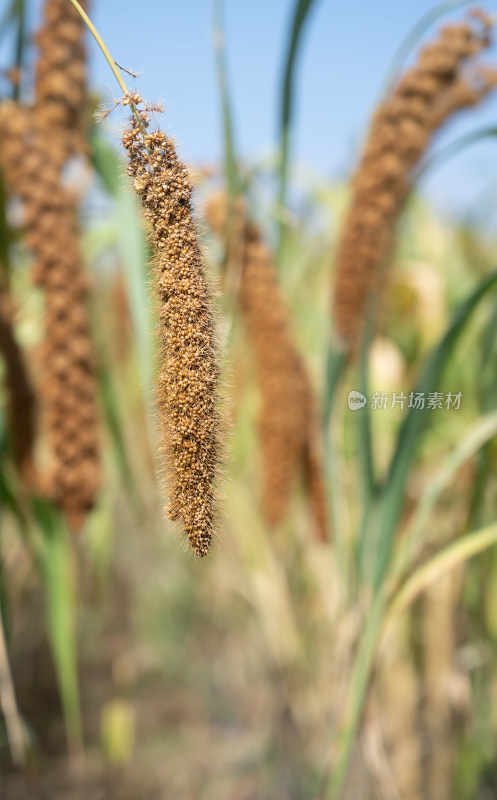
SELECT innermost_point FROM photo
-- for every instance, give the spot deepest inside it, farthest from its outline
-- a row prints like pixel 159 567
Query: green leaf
pixel 487 397
pixel 480 434
pixel 411 430
pixel 230 162
pixel 9 494
pixel 59 581
pixel 20 46
pixel 378 624
pixel 300 16
pixel 10 15
pixel 111 405
pixel 335 364
pixel 365 447
pixel 344 735
pixel 413 37
pixel 450 557
pixel 452 149
pixel 109 400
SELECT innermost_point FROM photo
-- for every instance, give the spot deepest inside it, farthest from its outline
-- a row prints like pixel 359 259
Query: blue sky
pixel 346 52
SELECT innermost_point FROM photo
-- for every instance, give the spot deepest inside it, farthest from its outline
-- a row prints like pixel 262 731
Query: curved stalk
pixel 112 63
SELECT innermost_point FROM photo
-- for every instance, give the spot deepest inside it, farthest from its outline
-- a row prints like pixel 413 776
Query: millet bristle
pixel 188 383
pixel 400 133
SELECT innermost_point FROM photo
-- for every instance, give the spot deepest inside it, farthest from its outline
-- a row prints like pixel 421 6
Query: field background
pixel 229 677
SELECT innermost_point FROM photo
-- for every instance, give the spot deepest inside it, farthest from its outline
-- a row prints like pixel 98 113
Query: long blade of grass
pixel 10 15
pixel 412 427
pixel 335 363
pixel 487 351
pixel 229 266
pixel 452 556
pixel 487 376
pixel 476 514
pixel 452 149
pixel 378 625
pixel 58 578
pixel 300 16
pixel 344 738
pixel 20 47
pixel 110 403
pixel 414 35
pixel 365 448
pixel 230 162
pixel 9 494
pixel 481 433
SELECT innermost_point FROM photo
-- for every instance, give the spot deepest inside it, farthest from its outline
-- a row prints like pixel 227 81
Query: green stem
pixel 345 737
pixel 301 11
pixel 452 149
pixel 334 367
pixel 450 557
pixel 229 147
pixel 20 49
pixel 414 36
pixel 378 626
pixel 112 64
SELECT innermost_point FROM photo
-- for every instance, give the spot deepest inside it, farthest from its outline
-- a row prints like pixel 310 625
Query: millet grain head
pixel 68 386
pixel 281 375
pixel 467 91
pixel 401 130
pixel 60 82
pixel 188 381
pixel 288 435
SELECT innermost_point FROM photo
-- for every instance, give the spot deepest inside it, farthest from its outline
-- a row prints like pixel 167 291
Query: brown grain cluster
pixel 443 80
pixel 60 83
pixel 188 382
pixel 289 439
pixel 32 168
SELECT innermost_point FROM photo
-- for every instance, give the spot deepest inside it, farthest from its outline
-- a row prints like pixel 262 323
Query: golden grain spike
pixel 281 374
pixel 426 95
pixel 188 382
pixel 289 441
